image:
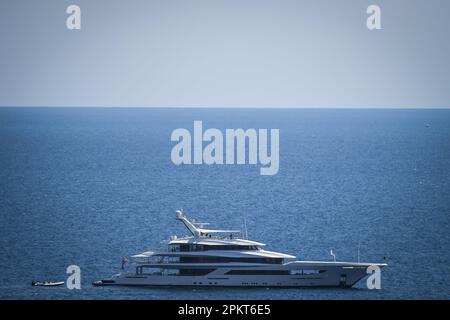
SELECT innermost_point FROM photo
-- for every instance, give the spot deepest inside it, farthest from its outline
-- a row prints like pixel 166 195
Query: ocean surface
pixel 87 186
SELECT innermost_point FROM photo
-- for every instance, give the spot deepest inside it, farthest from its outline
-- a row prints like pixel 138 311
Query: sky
pixel 225 53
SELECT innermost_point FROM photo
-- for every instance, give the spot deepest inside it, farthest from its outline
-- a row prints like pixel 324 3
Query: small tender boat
pixel 47 283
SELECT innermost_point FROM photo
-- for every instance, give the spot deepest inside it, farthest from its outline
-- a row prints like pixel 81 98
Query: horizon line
pixel 226 107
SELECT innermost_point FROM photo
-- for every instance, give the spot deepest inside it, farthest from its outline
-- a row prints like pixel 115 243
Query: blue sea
pixel 86 186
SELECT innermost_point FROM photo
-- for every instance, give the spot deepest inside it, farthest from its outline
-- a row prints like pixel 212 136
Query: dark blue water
pixel 88 186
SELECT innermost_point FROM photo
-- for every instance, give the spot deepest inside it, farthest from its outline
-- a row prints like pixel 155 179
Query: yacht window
pixel 306 272
pixel 207 259
pixel 258 272
pixel 203 247
pixel 195 272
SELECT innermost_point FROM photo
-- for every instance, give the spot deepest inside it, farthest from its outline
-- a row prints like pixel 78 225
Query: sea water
pixel 86 186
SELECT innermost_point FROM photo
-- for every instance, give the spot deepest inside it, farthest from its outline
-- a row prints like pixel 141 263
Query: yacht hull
pixel 316 275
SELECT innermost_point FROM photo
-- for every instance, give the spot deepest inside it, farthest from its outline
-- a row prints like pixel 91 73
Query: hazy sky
pixel 225 53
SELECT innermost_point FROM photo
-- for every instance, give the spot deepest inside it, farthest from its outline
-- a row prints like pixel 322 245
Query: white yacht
pixel 217 258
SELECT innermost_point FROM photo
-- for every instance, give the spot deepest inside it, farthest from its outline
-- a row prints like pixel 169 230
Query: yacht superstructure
pixel 208 258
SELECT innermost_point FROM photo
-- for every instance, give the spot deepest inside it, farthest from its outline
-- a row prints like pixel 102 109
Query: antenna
pixel 245 228
pixel 359 243
pixel 333 255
